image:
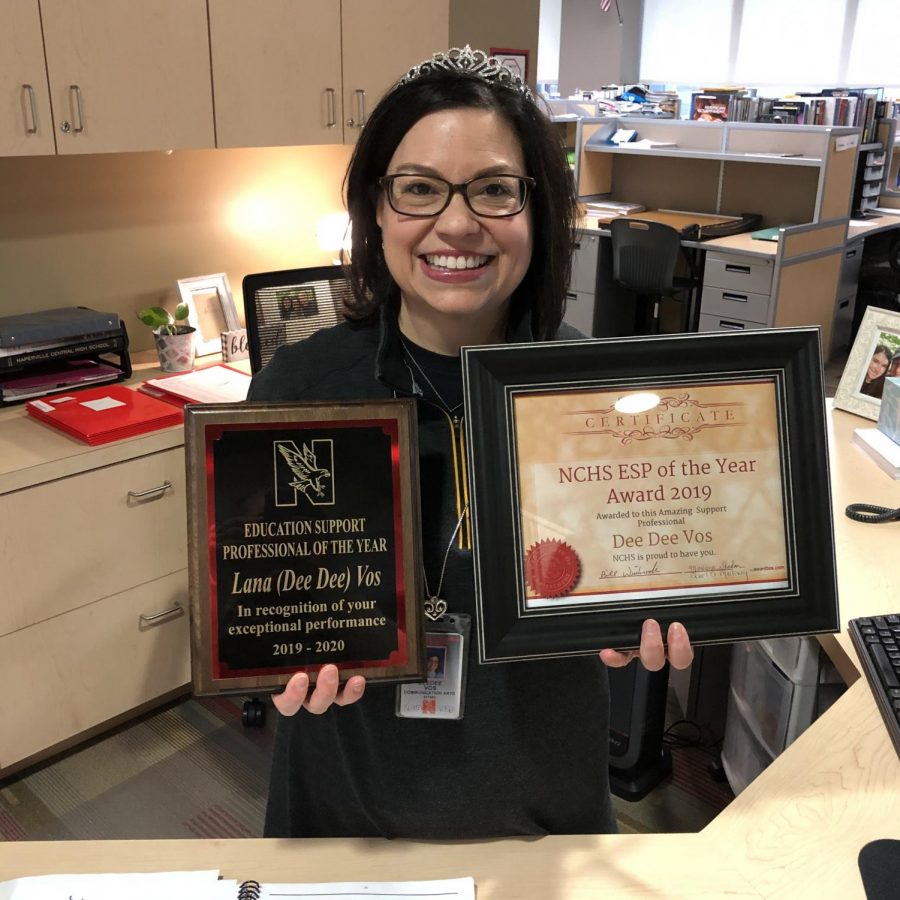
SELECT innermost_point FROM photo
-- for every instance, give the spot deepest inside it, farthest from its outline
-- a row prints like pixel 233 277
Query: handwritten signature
pixel 728 566
pixel 630 572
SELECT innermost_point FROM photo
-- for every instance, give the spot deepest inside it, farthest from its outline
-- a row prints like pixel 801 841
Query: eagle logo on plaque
pixel 307 471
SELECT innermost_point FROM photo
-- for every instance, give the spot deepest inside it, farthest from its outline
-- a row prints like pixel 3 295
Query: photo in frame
pixel 304 543
pixel 517 60
pixel 212 310
pixel 875 355
pixel 679 477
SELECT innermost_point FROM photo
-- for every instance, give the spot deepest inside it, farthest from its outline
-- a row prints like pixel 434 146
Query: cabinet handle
pixel 28 91
pixel 571 295
pixel 741 270
pixel 850 254
pixel 731 326
pixel 156 618
pixel 153 492
pixel 360 109
pixel 332 119
pixel 738 298
pixel 75 92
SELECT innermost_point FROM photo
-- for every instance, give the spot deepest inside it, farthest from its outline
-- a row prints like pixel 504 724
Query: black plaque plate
pixel 304 533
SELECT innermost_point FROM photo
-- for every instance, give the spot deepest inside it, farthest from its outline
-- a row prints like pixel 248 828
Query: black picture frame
pixel 788 359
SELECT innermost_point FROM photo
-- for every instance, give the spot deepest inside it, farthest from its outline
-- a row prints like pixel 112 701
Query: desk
pixel 794 832
pixel 800 174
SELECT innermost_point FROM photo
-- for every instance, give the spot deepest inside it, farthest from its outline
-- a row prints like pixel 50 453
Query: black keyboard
pixel 877 641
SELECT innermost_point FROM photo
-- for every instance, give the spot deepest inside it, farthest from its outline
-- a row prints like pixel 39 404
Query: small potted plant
pixel 174 338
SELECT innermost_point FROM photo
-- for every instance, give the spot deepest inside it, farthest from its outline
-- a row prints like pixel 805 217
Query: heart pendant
pixel 435 607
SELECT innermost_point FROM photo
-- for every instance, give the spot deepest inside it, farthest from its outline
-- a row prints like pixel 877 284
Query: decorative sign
pixel 234 345
pixel 305 536
pixel 693 489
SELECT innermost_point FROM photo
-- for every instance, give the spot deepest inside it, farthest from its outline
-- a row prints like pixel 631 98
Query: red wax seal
pixel 551 568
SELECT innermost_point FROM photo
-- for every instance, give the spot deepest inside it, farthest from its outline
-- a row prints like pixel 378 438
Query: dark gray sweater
pixel 530 754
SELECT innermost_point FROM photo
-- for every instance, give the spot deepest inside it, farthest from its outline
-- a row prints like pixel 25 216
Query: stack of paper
pixel 212 384
pixel 135 886
pixel 54 377
pixel 104 414
pixel 880 448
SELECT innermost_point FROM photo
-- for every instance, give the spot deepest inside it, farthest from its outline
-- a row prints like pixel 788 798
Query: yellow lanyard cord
pixel 461 484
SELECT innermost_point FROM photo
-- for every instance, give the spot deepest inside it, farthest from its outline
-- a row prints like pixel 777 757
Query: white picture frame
pixel 211 310
pixel 857 391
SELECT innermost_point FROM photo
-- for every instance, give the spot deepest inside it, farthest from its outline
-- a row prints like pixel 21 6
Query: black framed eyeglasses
pixel 493 196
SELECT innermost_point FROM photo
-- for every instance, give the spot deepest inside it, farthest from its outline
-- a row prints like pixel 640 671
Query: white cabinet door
pixel 26 124
pixel 129 74
pixel 276 72
pixel 381 39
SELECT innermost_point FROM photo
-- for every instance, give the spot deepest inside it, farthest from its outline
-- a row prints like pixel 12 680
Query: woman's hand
pixel 652 652
pixel 296 694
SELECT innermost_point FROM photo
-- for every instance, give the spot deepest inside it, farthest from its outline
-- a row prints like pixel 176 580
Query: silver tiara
pixel 471 62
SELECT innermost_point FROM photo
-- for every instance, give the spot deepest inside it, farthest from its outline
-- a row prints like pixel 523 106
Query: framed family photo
pixel 680 477
pixel 212 310
pixel 875 356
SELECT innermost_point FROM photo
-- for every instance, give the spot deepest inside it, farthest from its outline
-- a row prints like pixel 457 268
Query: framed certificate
pixel 304 532
pixel 682 477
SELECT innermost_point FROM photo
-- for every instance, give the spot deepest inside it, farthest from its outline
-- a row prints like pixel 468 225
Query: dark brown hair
pixel 553 202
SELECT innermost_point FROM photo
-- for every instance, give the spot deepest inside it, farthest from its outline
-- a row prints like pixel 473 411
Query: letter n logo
pixel 307 470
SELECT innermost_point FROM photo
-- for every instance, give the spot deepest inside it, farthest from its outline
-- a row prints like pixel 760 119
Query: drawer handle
pixel 571 295
pixel 850 254
pixel 153 492
pixel 844 305
pixel 741 270
pixel 738 298
pixel 156 618
pixel 731 326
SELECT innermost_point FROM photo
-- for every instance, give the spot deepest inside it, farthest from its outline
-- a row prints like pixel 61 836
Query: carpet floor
pixel 192 770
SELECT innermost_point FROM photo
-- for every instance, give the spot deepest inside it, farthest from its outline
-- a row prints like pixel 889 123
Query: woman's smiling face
pixel 878 366
pixel 456 271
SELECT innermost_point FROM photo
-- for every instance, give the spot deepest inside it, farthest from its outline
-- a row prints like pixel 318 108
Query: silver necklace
pixel 450 409
pixel 435 606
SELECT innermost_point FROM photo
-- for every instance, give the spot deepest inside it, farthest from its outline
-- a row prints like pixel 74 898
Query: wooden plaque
pixel 304 531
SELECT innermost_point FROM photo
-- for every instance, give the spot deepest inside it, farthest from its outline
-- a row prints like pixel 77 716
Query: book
pixel 447 888
pixel 210 384
pixel 102 414
pixel 710 107
pixel 112 342
pixel 648 144
pixel 61 324
pixel 879 448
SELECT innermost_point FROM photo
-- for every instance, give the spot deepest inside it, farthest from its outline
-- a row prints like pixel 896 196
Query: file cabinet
pixel 94 619
pixel 581 298
pixel 736 293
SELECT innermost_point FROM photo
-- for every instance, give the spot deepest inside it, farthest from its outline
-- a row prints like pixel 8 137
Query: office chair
pixel 644 257
pixel 285 307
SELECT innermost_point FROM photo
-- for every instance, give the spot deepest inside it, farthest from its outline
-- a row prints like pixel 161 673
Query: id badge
pixel 442 694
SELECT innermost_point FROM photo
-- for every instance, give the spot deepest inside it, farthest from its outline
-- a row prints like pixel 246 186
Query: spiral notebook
pixel 207 885
pixel 446 888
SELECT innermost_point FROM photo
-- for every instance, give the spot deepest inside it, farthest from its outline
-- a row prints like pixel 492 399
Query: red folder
pixel 103 414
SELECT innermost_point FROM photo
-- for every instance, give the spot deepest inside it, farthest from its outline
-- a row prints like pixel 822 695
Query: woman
pixel 463 210
pixel 894 369
pixel 873 382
